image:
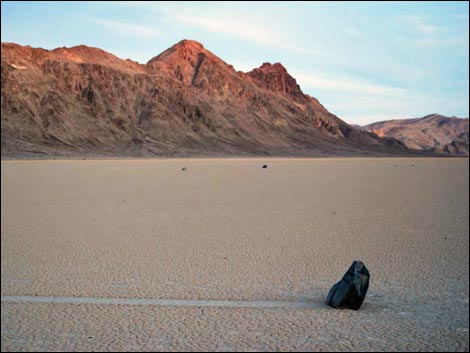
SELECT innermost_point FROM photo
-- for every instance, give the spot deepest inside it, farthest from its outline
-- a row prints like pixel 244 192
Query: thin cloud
pixel 374 118
pixel 350 85
pixel 128 28
pixel 231 26
pixel 223 18
pixel 236 26
pixel 419 24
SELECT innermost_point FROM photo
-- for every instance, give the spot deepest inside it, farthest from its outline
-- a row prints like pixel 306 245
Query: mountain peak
pixel 189 43
pixel 190 63
pixel 276 78
pixel 267 66
pixel 185 50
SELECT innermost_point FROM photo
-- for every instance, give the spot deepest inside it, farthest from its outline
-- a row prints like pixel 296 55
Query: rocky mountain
pixel 186 101
pixel 433 132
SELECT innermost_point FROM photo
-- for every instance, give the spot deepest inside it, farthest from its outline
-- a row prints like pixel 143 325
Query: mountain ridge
pixel 433 132
pixel 184 101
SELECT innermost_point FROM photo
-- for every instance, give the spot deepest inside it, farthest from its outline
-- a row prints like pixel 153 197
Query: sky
pixel 364 61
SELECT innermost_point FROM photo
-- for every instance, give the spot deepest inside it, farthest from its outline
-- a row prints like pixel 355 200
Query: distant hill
pixel 184 102
pixel 433 132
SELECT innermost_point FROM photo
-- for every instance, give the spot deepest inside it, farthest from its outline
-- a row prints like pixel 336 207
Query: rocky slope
pixel 431 133
pixel 186 101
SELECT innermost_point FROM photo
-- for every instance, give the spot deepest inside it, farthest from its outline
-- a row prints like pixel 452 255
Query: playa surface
pixel 229 256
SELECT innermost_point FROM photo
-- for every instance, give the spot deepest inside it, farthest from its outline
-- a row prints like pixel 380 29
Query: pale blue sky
pixel 364 61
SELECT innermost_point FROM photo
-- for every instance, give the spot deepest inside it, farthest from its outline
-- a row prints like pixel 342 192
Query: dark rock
pixel 265 166
pixel 349 293
pixel 183 169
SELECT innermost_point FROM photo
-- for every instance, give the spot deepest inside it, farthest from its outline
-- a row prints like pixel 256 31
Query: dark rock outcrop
pixel 349 293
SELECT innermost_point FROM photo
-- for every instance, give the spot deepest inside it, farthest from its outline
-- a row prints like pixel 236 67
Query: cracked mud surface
pixel 228 230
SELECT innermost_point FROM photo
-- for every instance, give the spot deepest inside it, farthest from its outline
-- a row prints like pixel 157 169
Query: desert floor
pixel 229 256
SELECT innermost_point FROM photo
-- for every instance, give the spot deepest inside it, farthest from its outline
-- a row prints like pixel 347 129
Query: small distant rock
pixel 183 169
pixel 349 293
pixel 265 166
